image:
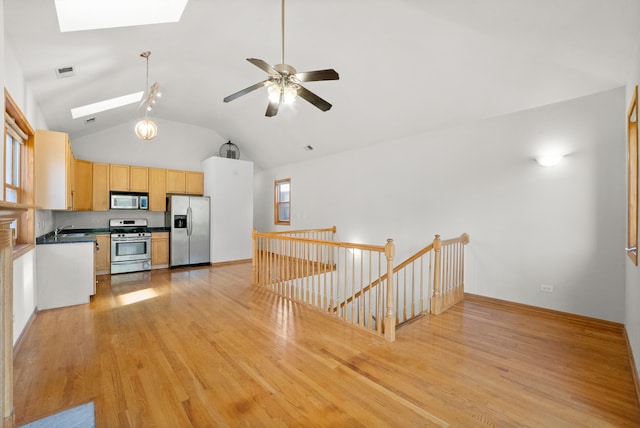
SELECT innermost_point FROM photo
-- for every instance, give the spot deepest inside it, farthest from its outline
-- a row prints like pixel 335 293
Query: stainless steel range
pixel 130 245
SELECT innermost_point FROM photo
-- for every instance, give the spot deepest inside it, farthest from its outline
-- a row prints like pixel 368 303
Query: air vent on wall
pixel 63 72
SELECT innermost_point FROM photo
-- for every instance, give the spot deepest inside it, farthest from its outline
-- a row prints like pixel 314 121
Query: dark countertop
pixel 83 235
pixel 69 236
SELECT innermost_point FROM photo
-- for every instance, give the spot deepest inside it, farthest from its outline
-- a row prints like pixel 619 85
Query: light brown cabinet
pixel 194 183
pixel 176 181
pixel 119 177
pixel 127 178
pixel 185 182
pixel 159 249
pixel 100 186
pixel 54 166
pixel 157 189
pixel 138 179
pixel 82 185
pixel 103 254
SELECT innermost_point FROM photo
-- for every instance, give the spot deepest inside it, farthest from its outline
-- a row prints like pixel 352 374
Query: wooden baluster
pixel 421 285
pixel 254 258
pixel 437 276
pixel 389 324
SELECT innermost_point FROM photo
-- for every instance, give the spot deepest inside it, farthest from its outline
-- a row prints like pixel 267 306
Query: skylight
pixel 78 15
pixel 100 106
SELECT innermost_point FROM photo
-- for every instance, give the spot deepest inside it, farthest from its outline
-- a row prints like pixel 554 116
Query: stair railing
pixel 322 273
pixel 351 281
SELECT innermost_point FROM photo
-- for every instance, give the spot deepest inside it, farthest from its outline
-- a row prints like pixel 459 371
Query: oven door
pixel 130 249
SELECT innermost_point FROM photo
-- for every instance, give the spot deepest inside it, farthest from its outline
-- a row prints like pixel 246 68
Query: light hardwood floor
pixel 201 347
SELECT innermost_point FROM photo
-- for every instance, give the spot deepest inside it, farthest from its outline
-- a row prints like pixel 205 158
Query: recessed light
pixel 100 106
pixel 78 15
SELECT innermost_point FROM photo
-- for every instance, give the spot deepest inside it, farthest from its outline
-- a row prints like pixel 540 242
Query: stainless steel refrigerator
pixel 189 220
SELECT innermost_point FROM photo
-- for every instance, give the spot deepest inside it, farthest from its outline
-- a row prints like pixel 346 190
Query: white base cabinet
pixel 65 274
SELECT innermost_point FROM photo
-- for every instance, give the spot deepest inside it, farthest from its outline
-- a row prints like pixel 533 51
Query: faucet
pixel 60 229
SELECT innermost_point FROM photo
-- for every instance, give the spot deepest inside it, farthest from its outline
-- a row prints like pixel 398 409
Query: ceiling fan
pixel 284 83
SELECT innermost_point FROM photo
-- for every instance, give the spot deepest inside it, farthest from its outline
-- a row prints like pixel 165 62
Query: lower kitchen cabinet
pixel 159 250
pixel 65 274
pixel 103 254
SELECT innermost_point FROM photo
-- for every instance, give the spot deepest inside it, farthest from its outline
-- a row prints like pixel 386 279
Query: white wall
pixel 24 295
pixel 632 300
pixel 529 225
pixel 177 146
pixel 229 183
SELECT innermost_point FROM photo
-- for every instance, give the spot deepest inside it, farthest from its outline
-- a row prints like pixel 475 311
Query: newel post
pixel 254 258
pixel 389 319
pixel 436 301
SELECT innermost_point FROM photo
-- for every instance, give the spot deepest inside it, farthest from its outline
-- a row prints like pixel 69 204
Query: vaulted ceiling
pixel 406 66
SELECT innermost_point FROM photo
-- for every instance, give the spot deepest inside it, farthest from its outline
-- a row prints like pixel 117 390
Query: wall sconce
pixel 549 159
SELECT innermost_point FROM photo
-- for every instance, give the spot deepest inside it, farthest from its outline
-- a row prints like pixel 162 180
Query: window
pixel 282 201
pixel 18 172
pixel 13 160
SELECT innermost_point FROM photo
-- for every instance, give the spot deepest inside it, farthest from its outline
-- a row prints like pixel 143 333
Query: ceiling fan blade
pixel 314 76
pixel 272 108
pixel 313 98
pixel 247 90
pixel 264 66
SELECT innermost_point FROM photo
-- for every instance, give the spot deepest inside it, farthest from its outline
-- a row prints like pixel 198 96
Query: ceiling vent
pixel 63 72
pixel 308 148
pixel 90 121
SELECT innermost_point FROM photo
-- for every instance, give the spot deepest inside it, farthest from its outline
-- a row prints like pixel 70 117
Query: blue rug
pixel 82 416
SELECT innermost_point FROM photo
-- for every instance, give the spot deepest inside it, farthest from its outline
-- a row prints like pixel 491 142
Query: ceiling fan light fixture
pixel 289 93
pixel 146 129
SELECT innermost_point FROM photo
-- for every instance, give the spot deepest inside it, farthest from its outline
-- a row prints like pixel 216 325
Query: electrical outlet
pixel 546 288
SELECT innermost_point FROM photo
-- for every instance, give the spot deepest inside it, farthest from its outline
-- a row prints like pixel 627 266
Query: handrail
pixel 285 232
pixel 365 247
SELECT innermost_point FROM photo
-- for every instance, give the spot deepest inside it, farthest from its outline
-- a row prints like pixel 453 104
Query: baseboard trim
pixel 560 314
pixel 632 363
pixel 231 262
pixel 18 344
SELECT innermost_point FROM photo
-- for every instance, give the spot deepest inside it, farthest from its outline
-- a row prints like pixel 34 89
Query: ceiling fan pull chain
pixel 283 32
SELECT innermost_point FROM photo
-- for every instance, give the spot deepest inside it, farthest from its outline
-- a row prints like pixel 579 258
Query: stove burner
pixel 128 230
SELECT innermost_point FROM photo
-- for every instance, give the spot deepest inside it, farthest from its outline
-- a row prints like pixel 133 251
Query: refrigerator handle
pixel 189 221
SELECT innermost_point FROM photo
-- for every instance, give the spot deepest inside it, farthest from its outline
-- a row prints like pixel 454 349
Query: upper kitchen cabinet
pixel 176 181
pixel 54 171
pixel 100 186
pixel 127 178
pixel 185 182
pixel 82 185
pixel 157 189
pixel 194 183
pixel 119 177
pixel 138 179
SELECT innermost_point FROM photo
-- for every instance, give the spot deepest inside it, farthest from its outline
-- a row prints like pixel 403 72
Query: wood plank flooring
pixel 201 347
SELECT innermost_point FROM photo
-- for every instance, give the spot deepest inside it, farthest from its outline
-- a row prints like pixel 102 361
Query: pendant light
pixel 146 129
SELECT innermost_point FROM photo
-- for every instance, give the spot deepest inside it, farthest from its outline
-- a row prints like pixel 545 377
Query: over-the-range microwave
pixel 129 201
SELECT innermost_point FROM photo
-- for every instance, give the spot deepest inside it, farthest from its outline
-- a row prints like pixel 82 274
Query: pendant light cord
pixel 146 55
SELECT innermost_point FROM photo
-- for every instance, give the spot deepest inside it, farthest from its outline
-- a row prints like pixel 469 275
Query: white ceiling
pixel 406 66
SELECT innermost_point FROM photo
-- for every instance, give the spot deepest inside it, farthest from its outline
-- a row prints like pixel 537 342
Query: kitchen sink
pixel 74 235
